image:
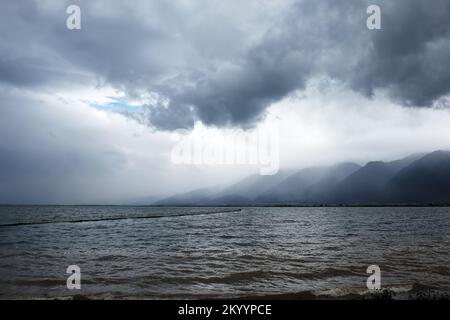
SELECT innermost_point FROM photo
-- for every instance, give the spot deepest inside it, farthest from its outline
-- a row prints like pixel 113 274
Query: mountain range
pixel 419 179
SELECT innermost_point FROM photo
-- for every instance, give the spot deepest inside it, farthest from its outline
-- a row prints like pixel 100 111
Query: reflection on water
pixel 182 253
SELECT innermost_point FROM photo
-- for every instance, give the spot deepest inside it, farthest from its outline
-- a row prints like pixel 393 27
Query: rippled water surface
pixel 215 252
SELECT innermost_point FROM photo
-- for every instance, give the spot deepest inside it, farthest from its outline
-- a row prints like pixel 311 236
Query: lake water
pixel 189 253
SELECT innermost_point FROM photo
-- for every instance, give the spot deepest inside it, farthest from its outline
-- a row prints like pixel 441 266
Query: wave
pixel 399 291
pixel 118 218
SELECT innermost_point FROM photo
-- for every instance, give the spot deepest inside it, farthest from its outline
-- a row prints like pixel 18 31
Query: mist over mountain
pixel 419 179
pixel 308 184
pixel 243 192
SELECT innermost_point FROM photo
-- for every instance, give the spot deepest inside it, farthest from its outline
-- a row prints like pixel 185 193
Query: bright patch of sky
pixel 119 104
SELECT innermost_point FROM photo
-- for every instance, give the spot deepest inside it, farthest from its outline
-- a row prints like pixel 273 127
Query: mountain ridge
pixel 419 179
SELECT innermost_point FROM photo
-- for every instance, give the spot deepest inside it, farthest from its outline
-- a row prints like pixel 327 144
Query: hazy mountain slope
pixel 318 192
pixel 363 186
pixel 426 180
pixel 367 185
pixel 241 193
pixel 417 179
pixel 192 198
pixel 398 165
pixel 304 185
pixel 254 185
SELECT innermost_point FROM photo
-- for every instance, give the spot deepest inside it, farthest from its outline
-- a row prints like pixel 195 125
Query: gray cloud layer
pixel 224 63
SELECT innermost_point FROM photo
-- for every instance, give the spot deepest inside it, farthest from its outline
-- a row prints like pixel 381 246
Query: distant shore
pixel 405 205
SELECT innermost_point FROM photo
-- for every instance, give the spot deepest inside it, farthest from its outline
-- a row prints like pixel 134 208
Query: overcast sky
pixel 91 115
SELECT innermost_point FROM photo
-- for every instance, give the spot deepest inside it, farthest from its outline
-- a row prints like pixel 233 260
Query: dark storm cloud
pixel 410 55
pixel 209 66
